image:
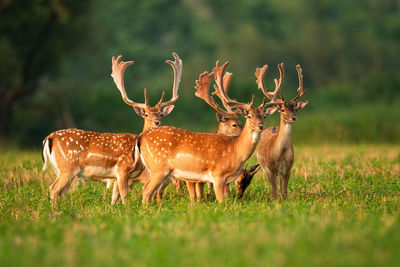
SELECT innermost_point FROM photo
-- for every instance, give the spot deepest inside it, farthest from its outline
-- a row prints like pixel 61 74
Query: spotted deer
pixel 170 152
pixel 275 152
pixel 94 155
pixel 152 115
pixel 228 121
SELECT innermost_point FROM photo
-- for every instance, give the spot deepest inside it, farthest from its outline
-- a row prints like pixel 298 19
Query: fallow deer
pixel 87 154
pixel 275 152
pixel 152 115
pixel 228 122
pixel 170 152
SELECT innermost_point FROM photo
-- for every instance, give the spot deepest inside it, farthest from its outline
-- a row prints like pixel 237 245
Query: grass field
pixel 342 210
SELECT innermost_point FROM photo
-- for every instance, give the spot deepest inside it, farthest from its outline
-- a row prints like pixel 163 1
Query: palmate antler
pixel 118 69
pixel 222 84
pixel 220 89
pixel 202 87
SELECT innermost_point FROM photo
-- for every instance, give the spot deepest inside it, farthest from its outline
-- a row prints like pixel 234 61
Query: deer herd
pixel 161 155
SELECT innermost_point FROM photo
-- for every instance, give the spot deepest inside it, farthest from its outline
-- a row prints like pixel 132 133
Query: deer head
pixel 244 179
pixel 227 118
pixel 151 115
pixel 254 115
pixel 288 109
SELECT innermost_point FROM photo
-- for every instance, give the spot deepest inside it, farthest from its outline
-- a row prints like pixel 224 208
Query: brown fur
pixel 275 152
pixel 93 155
pixel 170 152
pixel 104 155
pixel 244 179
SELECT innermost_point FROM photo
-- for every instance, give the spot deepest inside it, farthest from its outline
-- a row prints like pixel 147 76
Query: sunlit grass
pixel 342 209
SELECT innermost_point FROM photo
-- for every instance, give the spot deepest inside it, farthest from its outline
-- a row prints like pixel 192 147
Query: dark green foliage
pixel 348 50
pixel 35 36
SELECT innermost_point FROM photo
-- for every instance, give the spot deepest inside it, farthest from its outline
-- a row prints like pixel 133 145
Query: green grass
pixel 342 210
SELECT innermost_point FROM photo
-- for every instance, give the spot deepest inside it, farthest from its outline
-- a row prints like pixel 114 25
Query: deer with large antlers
pixel 152 115
pixel 275 152
pixel 87 154
pixel 228 121
pixel 170 152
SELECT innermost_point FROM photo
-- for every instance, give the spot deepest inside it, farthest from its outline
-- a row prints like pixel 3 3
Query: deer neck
pixel 284 138
pixel 219 128
pixel 246 142
pixel 147 125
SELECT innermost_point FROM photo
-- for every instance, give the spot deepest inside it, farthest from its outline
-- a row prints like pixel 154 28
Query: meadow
pixel 342 210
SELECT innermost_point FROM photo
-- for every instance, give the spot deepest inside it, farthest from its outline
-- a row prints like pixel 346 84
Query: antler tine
pixel 118 68
pixel 226 82
pixel 220 91
pixel 278 86
pixel 146 98
pixel 300 91
pixel 177 66
pixel 161 99
pixel 202 87
pixel 218 72
pixel 260 73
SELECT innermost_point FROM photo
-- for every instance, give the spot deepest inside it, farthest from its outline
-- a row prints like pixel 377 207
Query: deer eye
pixel 146 115
pixel 162 114
pixel 249 116
pixel 234 125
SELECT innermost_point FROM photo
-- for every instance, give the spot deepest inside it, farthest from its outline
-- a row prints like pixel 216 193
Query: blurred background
pixel 55 63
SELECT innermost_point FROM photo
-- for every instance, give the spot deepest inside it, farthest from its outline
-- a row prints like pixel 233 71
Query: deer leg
pixel 180 183
pixel 157 194
pixel 199 191
pixel 219 190
pixel 115 194
pixel 191 189
pixel 226 190
pixel 210 188
pixel 284 184
pixel 66 187
pixel 122 180
pixel 61 184
pixel 177 184
pixel 161 188
pixel 110 183
pixel 272 180
pixel 151 186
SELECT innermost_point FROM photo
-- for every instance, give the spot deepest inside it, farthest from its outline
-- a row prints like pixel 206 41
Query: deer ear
pixel 271 111
pixel 220 117
pixel 139 111
pixel 166 110
pixel 301 105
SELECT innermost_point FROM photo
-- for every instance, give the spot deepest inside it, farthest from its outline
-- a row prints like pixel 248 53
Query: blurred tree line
pixel 55 57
